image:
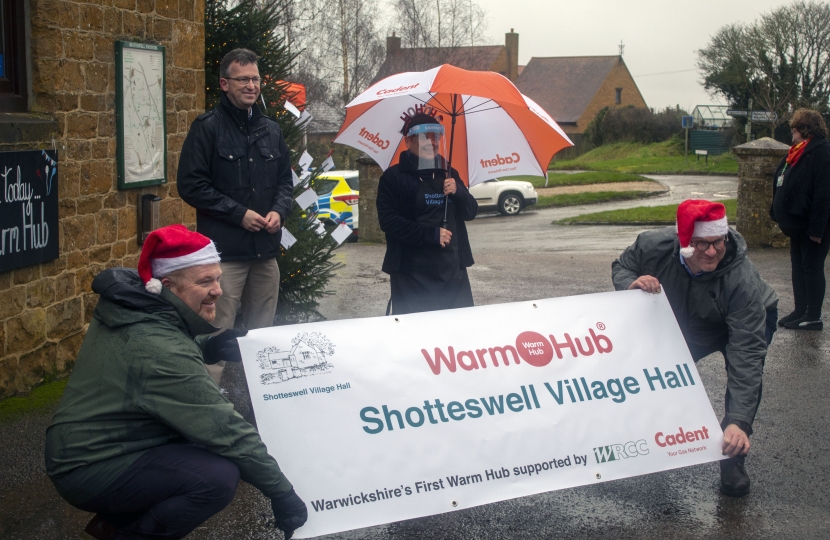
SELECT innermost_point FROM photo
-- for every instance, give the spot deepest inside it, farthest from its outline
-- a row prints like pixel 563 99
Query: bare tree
pixel 781 61
pixel 440 24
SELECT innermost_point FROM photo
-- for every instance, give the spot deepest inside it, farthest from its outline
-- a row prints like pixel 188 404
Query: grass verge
pixel 658 158
pixel 642 215
pixel 39 399
pixel 580 179
pixel 574 199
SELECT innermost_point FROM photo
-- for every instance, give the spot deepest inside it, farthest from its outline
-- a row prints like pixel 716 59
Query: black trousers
pixel 167 492
pixel 807 258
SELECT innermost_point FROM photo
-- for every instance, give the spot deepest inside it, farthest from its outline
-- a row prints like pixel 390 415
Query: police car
pixel 338 194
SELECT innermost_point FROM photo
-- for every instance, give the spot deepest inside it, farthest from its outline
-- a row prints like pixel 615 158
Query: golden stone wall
pixel 45 309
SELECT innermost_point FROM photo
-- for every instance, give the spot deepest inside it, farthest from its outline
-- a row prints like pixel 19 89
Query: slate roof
pixel 421 59
pixel 565 85
pixel 325 118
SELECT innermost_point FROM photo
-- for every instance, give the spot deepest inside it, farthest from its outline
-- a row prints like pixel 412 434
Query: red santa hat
pixel 701 219
pixel 173 248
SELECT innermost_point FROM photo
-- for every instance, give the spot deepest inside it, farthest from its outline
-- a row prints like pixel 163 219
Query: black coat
pixel 230 164
pixel 398 209
pixel 802 204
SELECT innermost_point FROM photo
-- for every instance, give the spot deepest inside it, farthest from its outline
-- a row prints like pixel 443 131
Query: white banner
pixel 384 419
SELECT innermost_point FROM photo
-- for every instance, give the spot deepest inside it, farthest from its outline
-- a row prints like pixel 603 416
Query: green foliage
pixel 307 267
pixel 658 158
pixel 574 199
pixel 40 399
pixel 633 124
pixel 642 215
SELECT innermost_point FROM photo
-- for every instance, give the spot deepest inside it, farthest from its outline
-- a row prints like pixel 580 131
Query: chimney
pixel 393 44
pixel 511 44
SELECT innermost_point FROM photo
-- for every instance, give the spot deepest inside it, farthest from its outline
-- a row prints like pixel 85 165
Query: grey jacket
pixel 727 306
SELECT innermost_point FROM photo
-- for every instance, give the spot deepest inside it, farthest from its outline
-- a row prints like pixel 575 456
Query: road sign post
pixel 687 122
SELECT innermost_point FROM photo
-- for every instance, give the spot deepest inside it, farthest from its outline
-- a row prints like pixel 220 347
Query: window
pixel 618 97
pixel 324 186
pixel 13 88
pixel 306 355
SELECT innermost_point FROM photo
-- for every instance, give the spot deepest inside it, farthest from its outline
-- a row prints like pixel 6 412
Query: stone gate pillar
pixel 757 161
pixel 369 173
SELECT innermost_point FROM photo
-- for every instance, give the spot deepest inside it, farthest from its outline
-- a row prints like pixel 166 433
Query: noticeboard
pixel 141 112
pixel 28 208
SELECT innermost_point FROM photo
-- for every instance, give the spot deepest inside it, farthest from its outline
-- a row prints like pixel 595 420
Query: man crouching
pixel 721 304
pixel 142 435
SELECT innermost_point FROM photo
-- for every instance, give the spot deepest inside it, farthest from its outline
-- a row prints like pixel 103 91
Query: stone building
pixel 60 66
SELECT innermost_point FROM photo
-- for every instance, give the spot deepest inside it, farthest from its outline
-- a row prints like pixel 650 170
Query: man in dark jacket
pixel 721 304
pixel 235 170
pixel 142 435
pixel 426 257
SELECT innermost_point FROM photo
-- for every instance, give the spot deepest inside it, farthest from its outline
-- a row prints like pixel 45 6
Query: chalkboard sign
pixel 28 208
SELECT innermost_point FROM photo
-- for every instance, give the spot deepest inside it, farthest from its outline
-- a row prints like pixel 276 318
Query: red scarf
pixel 795 152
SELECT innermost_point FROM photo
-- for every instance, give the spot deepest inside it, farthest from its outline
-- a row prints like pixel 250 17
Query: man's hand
pixel 647 283
pixel 816 239
pixel 735 441
pixel 273 222
pixel 449 186
pixel 290 513
pixel 445 238
pixel 253 222
pixel 223 346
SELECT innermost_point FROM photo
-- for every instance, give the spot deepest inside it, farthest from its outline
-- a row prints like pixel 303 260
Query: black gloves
pixel 290 513
pixel 223 346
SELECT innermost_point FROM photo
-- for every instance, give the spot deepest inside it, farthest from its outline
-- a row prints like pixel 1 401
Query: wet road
pixel 524 258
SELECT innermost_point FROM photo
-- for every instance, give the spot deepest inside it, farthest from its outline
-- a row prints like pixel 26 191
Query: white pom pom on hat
pixel 173 248
pixel 699 218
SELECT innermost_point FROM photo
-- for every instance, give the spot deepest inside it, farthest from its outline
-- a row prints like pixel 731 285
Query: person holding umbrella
pixel 422 209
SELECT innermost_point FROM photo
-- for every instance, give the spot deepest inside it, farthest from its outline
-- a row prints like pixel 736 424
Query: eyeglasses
pixel 245 80
pixel 704 245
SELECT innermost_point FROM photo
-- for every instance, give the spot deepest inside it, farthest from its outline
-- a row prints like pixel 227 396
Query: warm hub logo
pixel 614 452
pixel 681 437
pixel 498 160
pixel 531 347
pixel 375 138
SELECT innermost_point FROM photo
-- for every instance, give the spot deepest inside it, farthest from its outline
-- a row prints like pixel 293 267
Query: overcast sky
pixel 659 35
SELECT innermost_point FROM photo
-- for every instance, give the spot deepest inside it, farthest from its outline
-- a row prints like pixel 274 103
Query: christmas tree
pixel 306 267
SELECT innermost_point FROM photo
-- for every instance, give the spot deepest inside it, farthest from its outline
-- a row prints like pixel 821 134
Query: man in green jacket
pixel 721 304
pixel 142 435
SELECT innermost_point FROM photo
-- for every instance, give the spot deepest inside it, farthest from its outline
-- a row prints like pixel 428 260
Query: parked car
pixel 507 196
pixel 339 193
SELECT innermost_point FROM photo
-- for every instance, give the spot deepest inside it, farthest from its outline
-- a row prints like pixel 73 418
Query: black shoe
pixel 794 316
pixel 734 482
pixel 99 529
pixel 805 323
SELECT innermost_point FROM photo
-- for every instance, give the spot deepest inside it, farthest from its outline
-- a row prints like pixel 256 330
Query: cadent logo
pixel 498 160
pixel 616 452
pixel 681 437
pixel 375 138
pixel 398 89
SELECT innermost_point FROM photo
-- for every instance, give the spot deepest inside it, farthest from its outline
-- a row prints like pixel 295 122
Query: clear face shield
pixel 428 144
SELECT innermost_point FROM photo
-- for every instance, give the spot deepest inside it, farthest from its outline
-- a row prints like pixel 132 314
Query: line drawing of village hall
pixel 306 357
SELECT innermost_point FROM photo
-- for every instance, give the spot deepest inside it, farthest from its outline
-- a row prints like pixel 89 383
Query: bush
pixel 633 124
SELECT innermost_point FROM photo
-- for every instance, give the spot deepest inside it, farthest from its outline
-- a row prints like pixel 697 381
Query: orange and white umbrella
pixel 494 130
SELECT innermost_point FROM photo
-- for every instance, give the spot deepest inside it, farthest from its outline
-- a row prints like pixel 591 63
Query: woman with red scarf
pixel 801 207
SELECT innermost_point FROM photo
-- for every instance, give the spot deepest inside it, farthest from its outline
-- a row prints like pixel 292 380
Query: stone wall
pixel 369 174
pixel 45 309
pixel 606 96
pixel 757 161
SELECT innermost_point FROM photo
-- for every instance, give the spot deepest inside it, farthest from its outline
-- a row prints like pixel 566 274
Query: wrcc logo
pixel 614 452
pixel 307 356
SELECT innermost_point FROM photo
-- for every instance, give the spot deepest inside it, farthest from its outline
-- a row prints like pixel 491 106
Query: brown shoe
pixel 734 481
pixel 99 528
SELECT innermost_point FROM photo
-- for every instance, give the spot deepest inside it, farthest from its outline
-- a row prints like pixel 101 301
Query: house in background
pixel 572 89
